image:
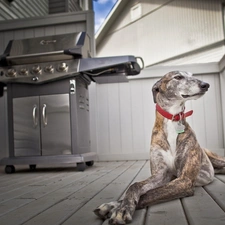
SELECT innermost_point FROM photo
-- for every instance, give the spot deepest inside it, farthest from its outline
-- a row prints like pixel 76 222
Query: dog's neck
pixel 172 108
pixel 174 114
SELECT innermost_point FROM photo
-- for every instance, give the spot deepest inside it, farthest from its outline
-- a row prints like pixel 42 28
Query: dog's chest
pixel 171 136
pixel 170 154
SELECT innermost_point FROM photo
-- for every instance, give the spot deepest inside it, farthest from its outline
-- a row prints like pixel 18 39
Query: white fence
pixel 122 116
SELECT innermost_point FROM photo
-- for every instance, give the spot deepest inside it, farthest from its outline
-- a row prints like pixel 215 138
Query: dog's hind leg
pixel 217 161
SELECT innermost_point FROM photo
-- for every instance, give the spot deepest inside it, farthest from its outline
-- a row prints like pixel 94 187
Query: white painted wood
pixel 169 34
pixel 165 30
pixel 125 115
pixel 137 115
pixel 102 120
pixel 222 84
pixel 114 118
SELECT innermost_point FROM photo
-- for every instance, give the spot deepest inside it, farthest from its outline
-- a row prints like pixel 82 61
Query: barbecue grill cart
pixel 47 82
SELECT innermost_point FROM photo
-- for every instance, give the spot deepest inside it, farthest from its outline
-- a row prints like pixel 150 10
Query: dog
pixel 177 161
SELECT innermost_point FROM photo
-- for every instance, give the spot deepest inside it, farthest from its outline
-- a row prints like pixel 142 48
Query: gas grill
pixel 47 82
pixel 45 59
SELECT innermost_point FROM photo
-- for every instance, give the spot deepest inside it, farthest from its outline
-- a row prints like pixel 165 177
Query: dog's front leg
pixel 127 205
pixel 124 212
pixel 178 188
pixel 188 167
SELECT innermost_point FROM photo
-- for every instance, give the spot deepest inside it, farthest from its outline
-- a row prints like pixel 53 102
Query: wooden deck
pixel 65 196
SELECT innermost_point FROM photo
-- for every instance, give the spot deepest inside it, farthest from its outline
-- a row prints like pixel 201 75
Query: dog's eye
pixel 179 77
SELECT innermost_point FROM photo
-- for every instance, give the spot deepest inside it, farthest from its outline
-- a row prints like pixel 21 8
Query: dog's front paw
pixel 122 215
pixel 105 210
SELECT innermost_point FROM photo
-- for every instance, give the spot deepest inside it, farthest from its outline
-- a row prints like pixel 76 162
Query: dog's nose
pixel 204 86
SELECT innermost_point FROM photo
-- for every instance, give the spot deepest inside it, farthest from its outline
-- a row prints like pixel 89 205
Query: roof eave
pixel 109 20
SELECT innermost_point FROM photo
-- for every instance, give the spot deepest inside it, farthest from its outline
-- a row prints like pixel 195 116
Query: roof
pixel 109 20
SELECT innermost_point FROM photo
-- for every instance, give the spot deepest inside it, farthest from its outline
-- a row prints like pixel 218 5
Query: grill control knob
pixel 35 79
pixel 24 72
pixel 63 67
pixel 36 69
pixel 11 72
pixel 49 69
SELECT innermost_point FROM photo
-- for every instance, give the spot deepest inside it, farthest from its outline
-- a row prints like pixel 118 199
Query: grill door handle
pixel 44 117
pixel 35 119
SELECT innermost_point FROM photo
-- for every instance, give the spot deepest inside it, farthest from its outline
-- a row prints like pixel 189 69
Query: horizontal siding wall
pixel 123 114
pixel 171 29
pixel 20 9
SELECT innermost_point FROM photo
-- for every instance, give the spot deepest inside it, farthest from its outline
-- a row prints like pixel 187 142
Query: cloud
pixel 106 1
pixel 98 22
pixel 103 1
pixel 102 9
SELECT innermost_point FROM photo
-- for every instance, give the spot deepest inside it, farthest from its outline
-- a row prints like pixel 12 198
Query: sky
pixel 102 9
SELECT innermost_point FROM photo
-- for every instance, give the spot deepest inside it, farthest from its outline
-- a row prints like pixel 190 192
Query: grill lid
pixel 44 49
pixel 46 59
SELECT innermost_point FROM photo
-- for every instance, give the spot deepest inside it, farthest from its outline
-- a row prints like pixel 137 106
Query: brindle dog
pixel 177 161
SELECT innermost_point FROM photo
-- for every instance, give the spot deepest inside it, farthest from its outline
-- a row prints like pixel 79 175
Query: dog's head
pixel 178 86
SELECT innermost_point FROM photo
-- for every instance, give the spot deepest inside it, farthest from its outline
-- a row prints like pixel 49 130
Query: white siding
pixel 124 115
pixel 222 93
pixel 20 9
pixel 166 31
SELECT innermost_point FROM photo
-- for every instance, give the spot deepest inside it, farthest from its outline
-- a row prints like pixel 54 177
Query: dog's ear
pixel 156 89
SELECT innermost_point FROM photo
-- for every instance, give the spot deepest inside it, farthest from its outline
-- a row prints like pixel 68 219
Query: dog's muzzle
pixel 204 86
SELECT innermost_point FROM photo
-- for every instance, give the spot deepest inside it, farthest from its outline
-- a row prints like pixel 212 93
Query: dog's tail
pixel 217 161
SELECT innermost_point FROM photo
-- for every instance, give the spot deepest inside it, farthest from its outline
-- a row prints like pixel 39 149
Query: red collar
pixel 176 117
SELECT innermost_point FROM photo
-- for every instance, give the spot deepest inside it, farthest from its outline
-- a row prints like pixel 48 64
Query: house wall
pixel 166 29
pixel 222 90
pixel 169 33
pixel 19 9
pixel 36 27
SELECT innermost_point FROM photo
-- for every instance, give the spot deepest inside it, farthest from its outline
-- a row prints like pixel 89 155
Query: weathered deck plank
pixel 216 191
pixel 61 211
pixel 202 209
pixel 47 200
pixel 168 213
pixel 65 196
pixel 110 192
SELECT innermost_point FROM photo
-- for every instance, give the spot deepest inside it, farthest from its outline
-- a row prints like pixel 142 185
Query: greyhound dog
pixel 177 161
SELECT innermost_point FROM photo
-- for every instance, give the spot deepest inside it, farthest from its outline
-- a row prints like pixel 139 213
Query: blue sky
pixel 102 9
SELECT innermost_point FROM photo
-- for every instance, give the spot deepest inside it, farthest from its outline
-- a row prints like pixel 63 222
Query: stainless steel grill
pixel 47 82
pixel 43 59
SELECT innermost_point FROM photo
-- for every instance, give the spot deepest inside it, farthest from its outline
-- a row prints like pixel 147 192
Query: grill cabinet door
pixel 55 124
pixel 26 126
